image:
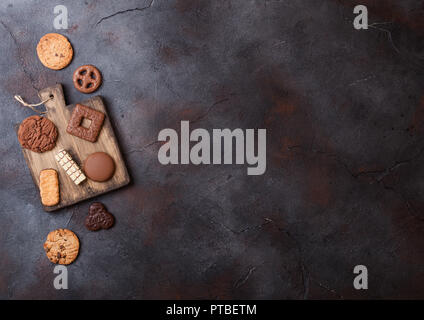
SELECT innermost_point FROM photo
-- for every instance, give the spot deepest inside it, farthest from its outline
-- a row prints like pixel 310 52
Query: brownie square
pixel 75 123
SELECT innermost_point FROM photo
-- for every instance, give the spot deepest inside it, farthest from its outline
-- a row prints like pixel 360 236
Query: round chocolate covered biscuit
pixel 99 166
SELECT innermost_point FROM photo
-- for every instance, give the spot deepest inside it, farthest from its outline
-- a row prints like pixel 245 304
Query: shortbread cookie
pixel 62 246
pixel 37 134
pixel 70 167
pixel 49 187
pixel 54 51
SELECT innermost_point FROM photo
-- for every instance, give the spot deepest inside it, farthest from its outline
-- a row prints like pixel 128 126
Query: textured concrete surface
pixel 344 113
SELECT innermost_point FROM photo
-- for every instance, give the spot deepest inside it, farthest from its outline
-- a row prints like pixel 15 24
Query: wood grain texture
pixel 79 149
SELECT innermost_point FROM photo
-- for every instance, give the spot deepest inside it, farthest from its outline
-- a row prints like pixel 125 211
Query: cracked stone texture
pixel 344 113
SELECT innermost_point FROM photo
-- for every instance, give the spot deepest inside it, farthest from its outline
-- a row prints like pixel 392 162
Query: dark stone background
pixel 344 113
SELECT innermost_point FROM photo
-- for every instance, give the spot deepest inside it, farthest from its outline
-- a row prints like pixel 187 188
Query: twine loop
pixel 32 105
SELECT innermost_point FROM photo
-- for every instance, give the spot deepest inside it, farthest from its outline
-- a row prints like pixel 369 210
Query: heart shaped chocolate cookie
pixel 98 217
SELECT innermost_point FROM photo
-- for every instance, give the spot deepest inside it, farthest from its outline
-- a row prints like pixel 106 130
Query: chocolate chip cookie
pixel 98 217
pixel 62 246
pixel 37 134
pixel 54 51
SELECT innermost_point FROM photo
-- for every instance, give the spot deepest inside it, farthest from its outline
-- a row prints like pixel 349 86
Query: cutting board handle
pixel 54 92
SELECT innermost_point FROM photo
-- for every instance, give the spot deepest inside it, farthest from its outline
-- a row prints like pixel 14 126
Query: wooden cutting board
pixel 79 149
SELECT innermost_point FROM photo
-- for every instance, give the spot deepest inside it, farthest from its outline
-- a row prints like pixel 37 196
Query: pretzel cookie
pixel 49 187
pixel 62 246
pixel 87 78
pixel 54 51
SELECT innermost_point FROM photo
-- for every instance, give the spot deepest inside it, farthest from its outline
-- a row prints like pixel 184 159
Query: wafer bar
pixel 70 167
pixel 49 187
